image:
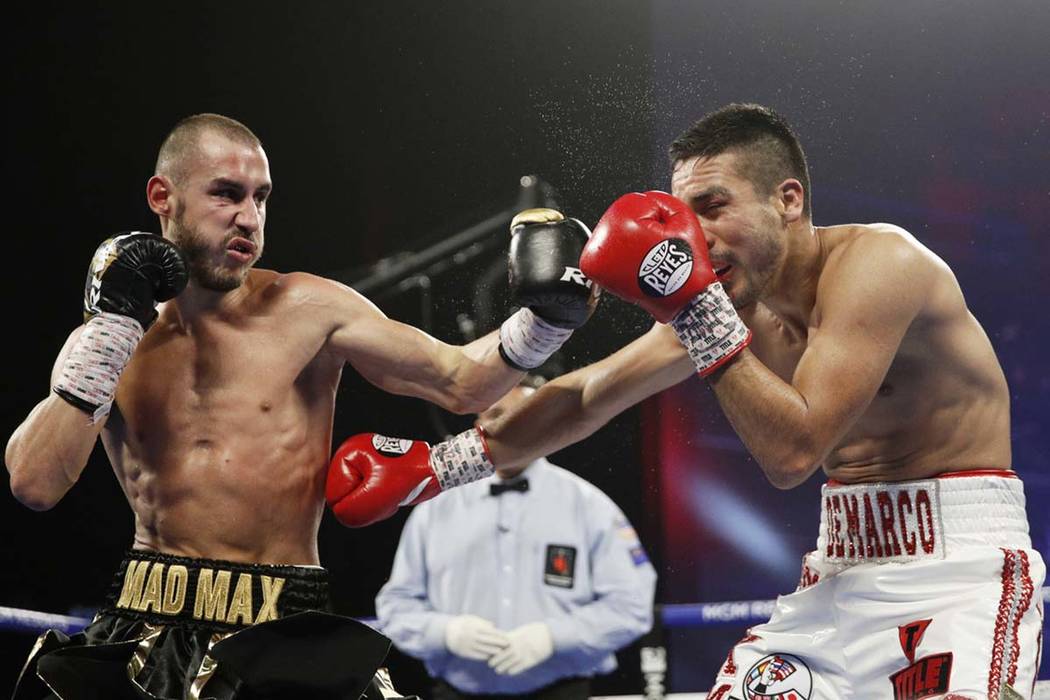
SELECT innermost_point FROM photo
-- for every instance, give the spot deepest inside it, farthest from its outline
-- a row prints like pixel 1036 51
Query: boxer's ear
pixel 159 193
pixel 791 199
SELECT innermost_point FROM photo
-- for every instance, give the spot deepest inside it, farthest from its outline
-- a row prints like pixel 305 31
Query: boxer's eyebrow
pixel 238 189
pixel 702 196
pixel 225 183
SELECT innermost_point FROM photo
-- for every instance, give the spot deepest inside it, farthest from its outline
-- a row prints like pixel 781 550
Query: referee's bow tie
pixel 498 487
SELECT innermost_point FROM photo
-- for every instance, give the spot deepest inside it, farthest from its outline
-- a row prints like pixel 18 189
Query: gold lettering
pixel 271 590
pixel 175 590
pixel 134 578
pixel 241 604
pixel 151 596
pixel 210 602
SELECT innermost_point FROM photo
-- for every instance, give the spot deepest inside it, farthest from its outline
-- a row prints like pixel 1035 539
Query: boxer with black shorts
pixel 848 348
pixel 215 410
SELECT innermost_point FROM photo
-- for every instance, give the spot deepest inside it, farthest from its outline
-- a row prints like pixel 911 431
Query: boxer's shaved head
pixel 768 149
pixel 182 143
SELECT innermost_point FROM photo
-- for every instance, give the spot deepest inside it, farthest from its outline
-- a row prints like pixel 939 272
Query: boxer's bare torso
pixel 223 427
pixel 943 404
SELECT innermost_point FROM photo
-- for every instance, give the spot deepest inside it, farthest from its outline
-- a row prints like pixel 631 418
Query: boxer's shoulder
pixel 284 285
pixel 858 256
pixel 872 245
pixel 304 291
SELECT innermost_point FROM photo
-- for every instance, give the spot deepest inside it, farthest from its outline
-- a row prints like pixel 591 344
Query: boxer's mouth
pixel 721 272
pixel 241 250
pixel 241 245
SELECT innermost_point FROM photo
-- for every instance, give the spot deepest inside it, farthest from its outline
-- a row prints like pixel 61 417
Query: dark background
pixel 392 125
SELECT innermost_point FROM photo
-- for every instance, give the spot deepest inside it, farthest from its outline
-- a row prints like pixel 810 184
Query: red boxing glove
pixel 371 476
pixel 650 249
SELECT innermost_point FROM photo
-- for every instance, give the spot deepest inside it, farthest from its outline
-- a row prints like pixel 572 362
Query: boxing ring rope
pixel 676 615
pixel 35 622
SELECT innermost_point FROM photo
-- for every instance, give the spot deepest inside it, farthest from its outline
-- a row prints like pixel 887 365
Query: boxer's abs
pixel 225 503
pixel 943 406
pixel 234 473
pixel 249 497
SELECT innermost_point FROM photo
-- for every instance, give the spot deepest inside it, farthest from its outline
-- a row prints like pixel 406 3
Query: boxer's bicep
pixel 404 360
pixel 837 377
pixel 866 309
pixel 394 356
pixel 400 359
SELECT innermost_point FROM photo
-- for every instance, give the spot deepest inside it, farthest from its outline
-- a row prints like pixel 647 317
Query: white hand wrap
pixel 94 364
pixel 710 329
pixel 461 459
pixel 526 340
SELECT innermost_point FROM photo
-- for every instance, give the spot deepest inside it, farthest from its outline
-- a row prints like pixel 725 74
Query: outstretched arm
pixel 555 299
pixel 404 360
pixel 571 407
pixel 371 476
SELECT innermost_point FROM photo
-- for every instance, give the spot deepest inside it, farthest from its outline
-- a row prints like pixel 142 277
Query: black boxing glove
pixel 129 274
pixel 546 281
pixel 544 267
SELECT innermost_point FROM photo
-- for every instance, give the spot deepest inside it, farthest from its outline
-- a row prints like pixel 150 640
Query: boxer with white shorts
pixel 916 589
pixel 846 348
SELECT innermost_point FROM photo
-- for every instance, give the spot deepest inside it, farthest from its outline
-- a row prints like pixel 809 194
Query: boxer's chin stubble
pixel 199 261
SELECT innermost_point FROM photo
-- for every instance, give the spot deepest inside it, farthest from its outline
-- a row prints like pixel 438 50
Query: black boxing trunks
pixel 175 627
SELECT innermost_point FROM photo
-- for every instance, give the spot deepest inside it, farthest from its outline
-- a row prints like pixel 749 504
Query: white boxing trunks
pixel 917 589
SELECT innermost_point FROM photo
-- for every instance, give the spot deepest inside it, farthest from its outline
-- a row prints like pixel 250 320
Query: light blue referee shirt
pixel 562 553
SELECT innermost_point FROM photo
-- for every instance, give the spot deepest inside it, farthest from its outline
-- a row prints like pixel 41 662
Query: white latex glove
pixel 474 637
pixel 529 645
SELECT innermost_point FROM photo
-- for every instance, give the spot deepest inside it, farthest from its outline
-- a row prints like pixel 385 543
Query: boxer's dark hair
pixel 183 138
pixel 771 151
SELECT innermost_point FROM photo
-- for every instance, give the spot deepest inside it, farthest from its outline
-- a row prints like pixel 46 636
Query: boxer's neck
pixel 792 291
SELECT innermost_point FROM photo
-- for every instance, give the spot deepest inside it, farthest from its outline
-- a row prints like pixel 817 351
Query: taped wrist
pixel 710 329
pixel 526 340
pixel 461 459
pixel 88 378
